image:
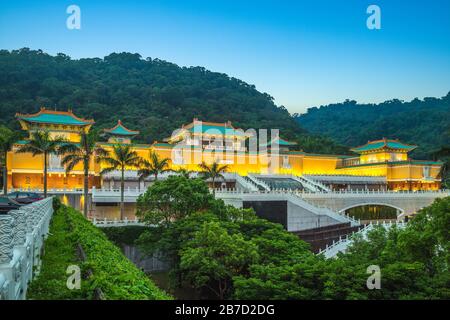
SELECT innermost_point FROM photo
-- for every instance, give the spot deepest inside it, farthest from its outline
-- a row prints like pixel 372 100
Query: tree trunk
pixel 45 174
pixel 86 187
pixel 222 290
pixel 5 175
pixel 214 186
pixel 156 176
pixel 122 187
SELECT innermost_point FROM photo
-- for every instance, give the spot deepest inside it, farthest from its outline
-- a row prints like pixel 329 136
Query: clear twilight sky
pixel 303 53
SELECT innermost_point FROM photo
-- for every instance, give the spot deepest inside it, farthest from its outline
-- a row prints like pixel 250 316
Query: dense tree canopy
pixel 225 252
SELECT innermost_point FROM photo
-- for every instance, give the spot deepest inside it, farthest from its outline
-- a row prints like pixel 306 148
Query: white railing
pixel 249 185
pixel 306 184
pixel 259 182
pixel 320 186
pixel 102 223
pixel 375 193
pixel 49 191
pixel 344 242
pixel 340 217
pixel 22 234
pixel 304 194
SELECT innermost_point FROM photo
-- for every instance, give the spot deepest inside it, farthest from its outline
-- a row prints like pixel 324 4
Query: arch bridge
pixel 406 203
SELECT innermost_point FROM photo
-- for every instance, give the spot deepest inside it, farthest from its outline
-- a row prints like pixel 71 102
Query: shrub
pixel 116 276
pixel 113 273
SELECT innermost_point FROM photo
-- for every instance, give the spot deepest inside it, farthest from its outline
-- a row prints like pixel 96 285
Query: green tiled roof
pixel 57 117
pixel 380 144
pixel 216 129
pixel 120 130
pixel 281 142
pixel 162 144
pixel 396 163
pixel 137 145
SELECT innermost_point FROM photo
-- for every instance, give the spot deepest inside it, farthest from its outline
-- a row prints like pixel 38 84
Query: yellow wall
pixel 26 171
pixel 319 165
pixel 383 156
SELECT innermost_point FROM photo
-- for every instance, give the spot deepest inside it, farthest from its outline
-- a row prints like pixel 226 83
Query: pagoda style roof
pixel 226 128
pixel 45 116
pixel 280 142
pixel 120 130
pixel 209 128
pixel 384 144
pixel 212 129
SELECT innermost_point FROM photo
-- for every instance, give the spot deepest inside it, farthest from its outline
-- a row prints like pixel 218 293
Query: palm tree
pixel 7 140
pixel 213 172
pixel 121 157
pixel 155 166
pixel 42 143
pixel 82 152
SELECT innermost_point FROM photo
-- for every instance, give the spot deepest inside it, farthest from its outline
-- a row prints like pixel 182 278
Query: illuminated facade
pixel 207 141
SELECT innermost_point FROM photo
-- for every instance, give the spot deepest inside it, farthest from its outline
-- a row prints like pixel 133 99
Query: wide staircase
pixel 320 238
pixel 312 185
pixel 286 182
pixel 261 185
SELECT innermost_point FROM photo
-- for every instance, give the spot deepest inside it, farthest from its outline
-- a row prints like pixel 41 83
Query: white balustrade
pixel 104 223
pixel 22 234
pixel 343 243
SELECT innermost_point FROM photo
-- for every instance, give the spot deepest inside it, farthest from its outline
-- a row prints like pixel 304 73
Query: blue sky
pixel 303 53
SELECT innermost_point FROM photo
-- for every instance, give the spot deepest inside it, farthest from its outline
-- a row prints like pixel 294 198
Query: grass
pixel 59 254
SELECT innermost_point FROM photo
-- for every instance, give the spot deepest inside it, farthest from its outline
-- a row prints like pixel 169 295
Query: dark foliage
pixel 425 123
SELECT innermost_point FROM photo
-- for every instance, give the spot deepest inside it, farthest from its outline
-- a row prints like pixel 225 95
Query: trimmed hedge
pixel 116 276
pixel 60 253
pixel 113 273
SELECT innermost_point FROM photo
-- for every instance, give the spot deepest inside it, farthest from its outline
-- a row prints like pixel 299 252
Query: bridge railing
pixel 22 235
pixel 49 191
pixel 104 223
pixel 344 242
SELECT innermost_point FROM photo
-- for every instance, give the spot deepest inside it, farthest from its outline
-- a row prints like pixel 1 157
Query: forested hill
pixel 425 123
pixel 149 95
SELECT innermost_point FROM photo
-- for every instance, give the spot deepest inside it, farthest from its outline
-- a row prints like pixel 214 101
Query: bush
pixel 113 273
pixel 59 254
pixel 56 204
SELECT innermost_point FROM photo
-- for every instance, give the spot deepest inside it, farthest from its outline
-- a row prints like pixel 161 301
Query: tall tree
pixel 443 154
pixel 83 152
pixel 7 140
pixel 172 199
pixel 154 166
pixel 213 257
pixel 42 143
pixel 121 158
pixel 214 171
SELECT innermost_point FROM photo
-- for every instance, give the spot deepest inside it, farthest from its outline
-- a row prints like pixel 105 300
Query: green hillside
pixel 425 123
pixel 149 95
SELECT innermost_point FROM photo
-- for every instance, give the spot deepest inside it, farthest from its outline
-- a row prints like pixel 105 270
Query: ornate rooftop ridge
pixel 53 116
pixel 120 129
pixel 384 143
